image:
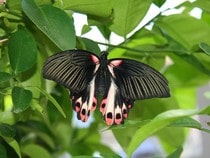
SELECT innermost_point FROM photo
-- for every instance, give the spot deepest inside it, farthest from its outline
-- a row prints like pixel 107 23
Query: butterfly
pixel 120 81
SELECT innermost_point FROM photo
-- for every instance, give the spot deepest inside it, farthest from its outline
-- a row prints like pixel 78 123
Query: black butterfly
pixel 120 81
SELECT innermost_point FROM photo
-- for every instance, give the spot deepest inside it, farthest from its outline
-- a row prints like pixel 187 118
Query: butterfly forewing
pixel 73 69
pixel 137 80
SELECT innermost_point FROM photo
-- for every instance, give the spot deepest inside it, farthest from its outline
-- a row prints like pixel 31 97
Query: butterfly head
pixel 103 55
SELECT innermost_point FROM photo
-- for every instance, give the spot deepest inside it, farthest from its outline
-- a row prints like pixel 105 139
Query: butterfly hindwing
pixel 113 106
pixel 75 69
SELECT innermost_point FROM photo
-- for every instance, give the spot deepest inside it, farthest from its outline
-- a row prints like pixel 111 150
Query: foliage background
pixel 36 115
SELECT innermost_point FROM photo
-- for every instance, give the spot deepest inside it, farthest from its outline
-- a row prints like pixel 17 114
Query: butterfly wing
pixel 75 69
pixel 137 80
pixel 130 80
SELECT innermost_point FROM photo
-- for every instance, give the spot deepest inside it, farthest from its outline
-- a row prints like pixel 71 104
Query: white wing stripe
pixel 110 104
pixel 91 94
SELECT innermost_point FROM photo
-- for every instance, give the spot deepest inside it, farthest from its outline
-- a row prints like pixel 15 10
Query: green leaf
pixel 85 29
pixel 160 121
pixel 4 76
pixel 204 5
pixel 13 143
pixel 60 131
pixel 21 99
pixel 7 130
pixel 2 31
pixel 181 80
pixel 205 47
pixel 186 122
pixel 185 29
pixel 125 15
pixel 195 62
pixel 159 3
pixel 205 111
pixel 22 50
pixel 190 123
pixel 177 153
pixel 38 128
pixel 104 7
pixel 53 22
pixel 55 103
pixel 186 55
pixel 3 151
pixel 172 132
pixel 35 151
pixel 89 45
pixel 129 124
pixel 14 5
pixel 187 101
pixel 7 117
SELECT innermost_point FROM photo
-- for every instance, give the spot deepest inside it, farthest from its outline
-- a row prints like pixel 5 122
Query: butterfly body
pixel 119 81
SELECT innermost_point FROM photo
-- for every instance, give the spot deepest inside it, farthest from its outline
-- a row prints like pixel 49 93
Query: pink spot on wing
pixel 115 63
pixel 77 107
pixel 94 59
pixel 125 114
pixel 83 115
pixel 109 121
pixel 83 118
pixel 118 121
pixel 103 105
pixel 93 107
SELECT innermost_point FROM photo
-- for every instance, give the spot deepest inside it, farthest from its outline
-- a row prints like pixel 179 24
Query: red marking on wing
pixel 115 63
pixel 124 111
pixel 76 103
pixel 83 115
pixel 125 114
pixel 118 118
pixel 109 119
pixel 77 108
pixel 93 107
pixel 103 105
pixel 94 59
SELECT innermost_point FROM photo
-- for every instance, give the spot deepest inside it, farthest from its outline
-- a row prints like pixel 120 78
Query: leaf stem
pixel 145 51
